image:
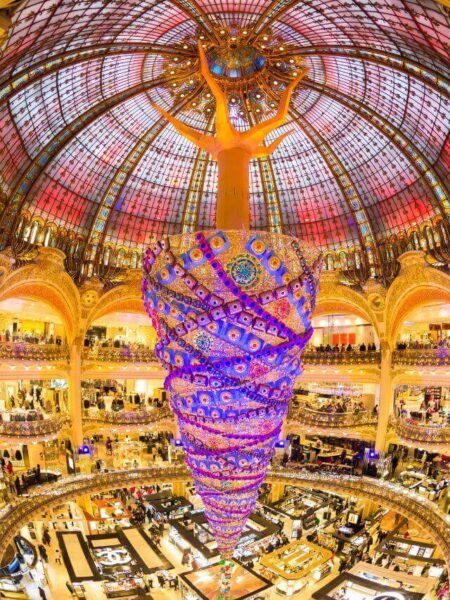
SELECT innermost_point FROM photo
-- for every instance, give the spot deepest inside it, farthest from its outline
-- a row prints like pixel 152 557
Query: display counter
pixel 420 483
pixel 395 579
pixel 352 534
pixel 34 477
pixel 296 564
pixel 77 590
pixel 124 560
pixel 325 452
pixel 396 545
pixel 411 479
pixel 296 560
pixel 301 509
pixel 193 533
pixel 187 542
pixel 168 506
pixel 124 588
pixel 9 588
pixel 203 584
pixel 108 516
pixel 348 586
pixel 411 555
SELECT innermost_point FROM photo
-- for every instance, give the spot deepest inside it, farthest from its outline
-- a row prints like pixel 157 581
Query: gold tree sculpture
pixel 234 149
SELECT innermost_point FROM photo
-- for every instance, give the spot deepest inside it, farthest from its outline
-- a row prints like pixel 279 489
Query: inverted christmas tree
pixel 232 309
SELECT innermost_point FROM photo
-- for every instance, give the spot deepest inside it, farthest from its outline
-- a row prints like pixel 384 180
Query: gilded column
pixel 75 392
pixel 386 397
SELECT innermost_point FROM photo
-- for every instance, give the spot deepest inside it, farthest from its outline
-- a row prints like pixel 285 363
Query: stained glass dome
pixel 238 62
pixel 86 161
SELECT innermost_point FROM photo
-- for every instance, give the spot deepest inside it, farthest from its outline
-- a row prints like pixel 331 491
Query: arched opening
pixel 33 321
pixel 425 327
pixel 52 299
pixel 121 332
pixel 32 409
pixel 123 406
pixel 412 312
pixel 343 331
pixel 423 405
pixel 31 328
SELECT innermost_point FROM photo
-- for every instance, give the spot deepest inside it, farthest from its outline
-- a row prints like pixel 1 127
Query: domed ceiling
pixel 83 153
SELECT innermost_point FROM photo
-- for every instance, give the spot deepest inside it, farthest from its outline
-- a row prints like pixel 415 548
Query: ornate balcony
pixel 435 357
pixel 31 431
pixel 34 352
pixel 341 358
pixel 130 418
pixel 433 436
pixel 125 354
pixel 411 505
pixel 315 418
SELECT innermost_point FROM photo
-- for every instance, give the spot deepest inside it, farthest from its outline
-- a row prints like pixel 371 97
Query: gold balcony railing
pixel 302 413
pixel 436 357
pixel 341 358
pixel 124 354
pixel 35 352
pixel 32 430
pixel 422 432
pixel 129 417
pixel 420 509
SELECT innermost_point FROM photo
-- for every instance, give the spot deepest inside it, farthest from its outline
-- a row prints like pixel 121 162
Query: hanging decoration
pixel 232 356
pixel 232 310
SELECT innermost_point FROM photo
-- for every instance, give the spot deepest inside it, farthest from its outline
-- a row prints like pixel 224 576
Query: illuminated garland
pixel 233 314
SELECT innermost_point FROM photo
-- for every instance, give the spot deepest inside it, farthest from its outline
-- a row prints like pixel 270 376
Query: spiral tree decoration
pixel 232 310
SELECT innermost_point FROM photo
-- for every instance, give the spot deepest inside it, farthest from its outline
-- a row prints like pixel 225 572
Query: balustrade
pixel 341 358
pixel 130 417
pixel 435 357
pixel 32 429
pixel 35 352
pixel 303 414
pixel 419 431
pixel 122 354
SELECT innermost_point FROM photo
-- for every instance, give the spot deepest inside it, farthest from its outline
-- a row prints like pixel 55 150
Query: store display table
pixel 296 560
pixel 203 584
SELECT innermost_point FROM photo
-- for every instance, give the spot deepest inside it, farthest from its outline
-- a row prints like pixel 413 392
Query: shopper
pixel 46 539
pixel 43 553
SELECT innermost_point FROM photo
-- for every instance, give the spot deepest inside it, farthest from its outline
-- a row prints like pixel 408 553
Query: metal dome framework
pixel 87 165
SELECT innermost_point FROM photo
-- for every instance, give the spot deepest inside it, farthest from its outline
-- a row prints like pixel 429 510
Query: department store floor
pixel 53 576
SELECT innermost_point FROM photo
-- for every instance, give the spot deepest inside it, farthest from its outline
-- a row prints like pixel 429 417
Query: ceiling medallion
pixel 252 69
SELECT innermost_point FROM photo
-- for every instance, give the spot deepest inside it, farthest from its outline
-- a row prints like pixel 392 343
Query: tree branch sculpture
pixel 234 149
